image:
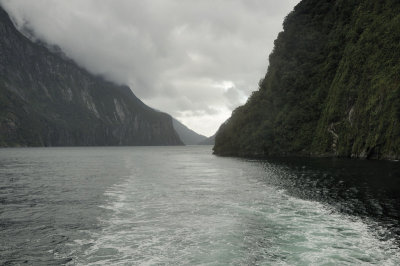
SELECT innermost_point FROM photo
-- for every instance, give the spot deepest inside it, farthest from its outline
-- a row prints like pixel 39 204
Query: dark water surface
pixel 184 206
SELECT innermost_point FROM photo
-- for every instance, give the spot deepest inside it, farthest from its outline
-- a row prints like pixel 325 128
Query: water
pixel 184 206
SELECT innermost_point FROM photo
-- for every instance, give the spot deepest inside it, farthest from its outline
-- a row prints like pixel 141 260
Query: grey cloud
pixel 172 53
pixel 234 97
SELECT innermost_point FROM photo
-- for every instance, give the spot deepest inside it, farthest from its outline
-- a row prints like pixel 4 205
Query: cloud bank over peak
pixel 196 60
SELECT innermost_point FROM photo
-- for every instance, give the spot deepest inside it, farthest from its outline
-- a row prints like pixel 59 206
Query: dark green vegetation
pixel 332 86
pixel 47 100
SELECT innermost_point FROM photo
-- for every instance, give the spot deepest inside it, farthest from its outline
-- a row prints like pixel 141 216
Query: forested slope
pixel 332 86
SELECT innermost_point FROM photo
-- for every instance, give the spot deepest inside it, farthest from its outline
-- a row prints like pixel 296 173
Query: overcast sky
pixel 194 59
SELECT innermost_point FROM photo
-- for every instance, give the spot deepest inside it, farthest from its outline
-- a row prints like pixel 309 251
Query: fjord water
pixel 184 206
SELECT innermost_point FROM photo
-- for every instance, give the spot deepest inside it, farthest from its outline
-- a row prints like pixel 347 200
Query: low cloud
pixel 175 55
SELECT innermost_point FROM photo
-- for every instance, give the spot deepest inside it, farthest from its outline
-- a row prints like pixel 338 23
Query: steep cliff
pixel 47 100
pixel 332 86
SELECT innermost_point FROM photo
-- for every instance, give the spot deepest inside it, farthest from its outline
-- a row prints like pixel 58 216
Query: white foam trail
pixel 221 217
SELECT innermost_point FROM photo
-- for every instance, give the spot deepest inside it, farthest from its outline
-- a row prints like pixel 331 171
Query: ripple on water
pixel 181 205
pixel 225 219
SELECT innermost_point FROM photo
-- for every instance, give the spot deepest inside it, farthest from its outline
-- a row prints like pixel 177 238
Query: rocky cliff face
pixel 332 87
pixel 46 100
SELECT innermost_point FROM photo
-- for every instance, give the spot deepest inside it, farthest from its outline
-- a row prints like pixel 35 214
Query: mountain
pixel 188 136
pixel 332 87
pixel 208 141
pixel 48 100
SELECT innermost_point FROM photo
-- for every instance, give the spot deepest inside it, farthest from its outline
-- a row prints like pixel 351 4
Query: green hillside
pixel 332 86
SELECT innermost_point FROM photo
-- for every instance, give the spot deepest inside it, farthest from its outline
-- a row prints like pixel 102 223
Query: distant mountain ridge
pixel 46 100
pixel 209 140
pixel 188 136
